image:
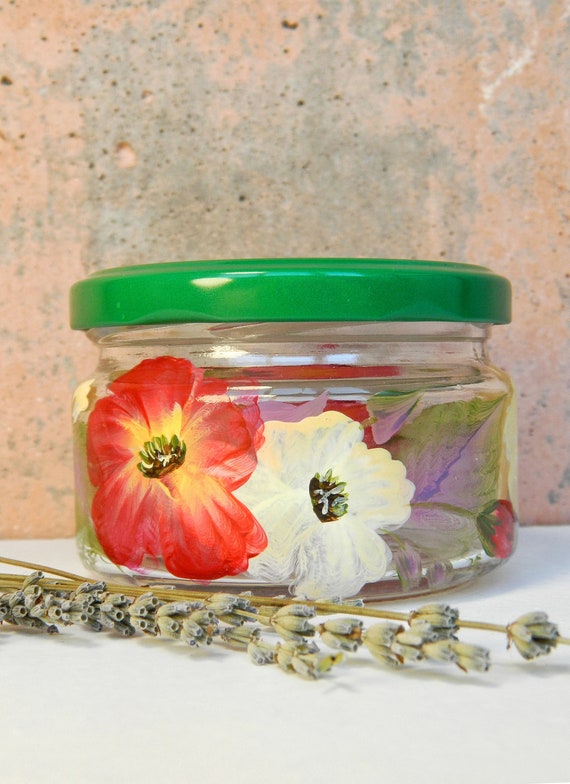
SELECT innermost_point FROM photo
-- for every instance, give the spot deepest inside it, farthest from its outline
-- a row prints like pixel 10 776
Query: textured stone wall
pixel 179 129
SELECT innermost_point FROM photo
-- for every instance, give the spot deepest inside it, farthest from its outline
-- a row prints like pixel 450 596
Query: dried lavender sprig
pixel 323 608
pixel 531 634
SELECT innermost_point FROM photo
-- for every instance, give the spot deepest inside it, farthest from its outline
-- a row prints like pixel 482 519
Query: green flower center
pixel 328 497
pixel 161 456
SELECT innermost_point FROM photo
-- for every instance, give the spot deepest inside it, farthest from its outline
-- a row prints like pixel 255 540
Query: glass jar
pixel 324 427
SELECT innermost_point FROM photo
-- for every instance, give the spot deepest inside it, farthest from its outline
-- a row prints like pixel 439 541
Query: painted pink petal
pixel 390 411
pixel 408 564
pixel 292 412
pixel 440 574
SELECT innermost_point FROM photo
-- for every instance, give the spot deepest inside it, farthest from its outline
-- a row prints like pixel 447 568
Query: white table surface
pixel 83 707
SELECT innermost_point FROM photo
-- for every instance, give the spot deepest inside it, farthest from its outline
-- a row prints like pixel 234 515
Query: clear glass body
pixel 322 460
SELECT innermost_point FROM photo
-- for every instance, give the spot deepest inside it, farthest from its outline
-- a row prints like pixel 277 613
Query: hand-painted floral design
pixel 390 411
pixel 323 497
pixel 408 564
pixel 80 402
pixel 453 453
pixel 496 525
pixel 167 450
pixel 292 412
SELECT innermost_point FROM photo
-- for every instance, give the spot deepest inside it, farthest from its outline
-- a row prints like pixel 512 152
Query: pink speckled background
pixel 156 130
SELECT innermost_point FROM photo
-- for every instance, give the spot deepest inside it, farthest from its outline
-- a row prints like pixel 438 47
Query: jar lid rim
pixel 292 289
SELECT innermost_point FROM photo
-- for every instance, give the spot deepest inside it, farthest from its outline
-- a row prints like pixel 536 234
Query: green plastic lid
pixel 315 289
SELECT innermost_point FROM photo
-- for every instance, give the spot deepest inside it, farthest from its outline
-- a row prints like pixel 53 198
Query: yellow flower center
pixel 328 497
pixel 161 455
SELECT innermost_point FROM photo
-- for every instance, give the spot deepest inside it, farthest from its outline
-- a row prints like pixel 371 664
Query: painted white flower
pixel 322 497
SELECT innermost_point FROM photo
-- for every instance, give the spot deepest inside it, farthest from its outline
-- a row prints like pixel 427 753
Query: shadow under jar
pixel 323 427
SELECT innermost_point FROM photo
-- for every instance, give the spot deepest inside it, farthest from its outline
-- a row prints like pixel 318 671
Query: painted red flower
pixel 166 449
pixel 497 525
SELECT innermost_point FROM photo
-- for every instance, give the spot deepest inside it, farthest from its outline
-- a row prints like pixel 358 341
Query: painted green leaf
pixel 452 452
